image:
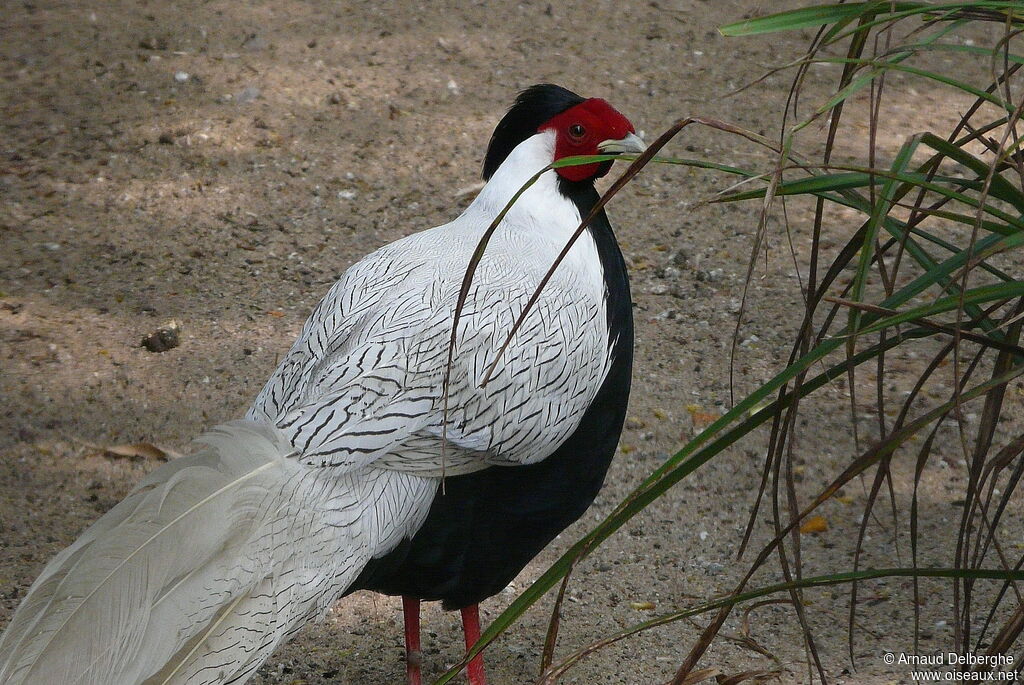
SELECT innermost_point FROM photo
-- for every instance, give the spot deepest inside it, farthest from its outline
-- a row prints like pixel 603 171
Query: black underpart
pixel 533 108
pixel 484 527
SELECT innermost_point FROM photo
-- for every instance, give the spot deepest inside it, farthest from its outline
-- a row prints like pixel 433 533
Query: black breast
pixel 486 526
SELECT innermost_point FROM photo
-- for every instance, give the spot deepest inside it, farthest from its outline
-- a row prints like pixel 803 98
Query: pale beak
pixel 631 143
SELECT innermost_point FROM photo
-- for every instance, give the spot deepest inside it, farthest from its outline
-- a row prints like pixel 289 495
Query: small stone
pixel 711 275
pixel 247 94
pixel 167 337
pixel 254 43
pixel 153 43
pixel 182 76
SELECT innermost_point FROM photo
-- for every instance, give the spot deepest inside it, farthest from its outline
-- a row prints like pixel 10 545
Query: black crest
pixel 532 109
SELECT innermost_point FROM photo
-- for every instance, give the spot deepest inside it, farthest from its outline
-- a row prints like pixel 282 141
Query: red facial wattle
pixel 580 129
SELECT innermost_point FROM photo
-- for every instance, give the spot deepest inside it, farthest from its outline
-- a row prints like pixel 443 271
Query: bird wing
pixel 364 383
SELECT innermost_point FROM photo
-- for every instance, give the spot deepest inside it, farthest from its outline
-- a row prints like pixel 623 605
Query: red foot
pixel 471 628
pixel 413 655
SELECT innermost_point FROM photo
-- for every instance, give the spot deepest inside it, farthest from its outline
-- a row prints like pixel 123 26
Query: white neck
pixel 529 157
pixel 541 221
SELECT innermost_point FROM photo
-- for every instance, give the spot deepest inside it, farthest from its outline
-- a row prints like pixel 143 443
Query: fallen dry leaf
pixel 700 676
pixel 701 418
pixel 815 524
pixel 141 450
pixel 745 676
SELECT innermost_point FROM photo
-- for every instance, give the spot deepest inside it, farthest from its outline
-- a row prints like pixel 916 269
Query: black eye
pixel 577 131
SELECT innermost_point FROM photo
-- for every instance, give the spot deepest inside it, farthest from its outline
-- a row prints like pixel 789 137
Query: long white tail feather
pixel 231 548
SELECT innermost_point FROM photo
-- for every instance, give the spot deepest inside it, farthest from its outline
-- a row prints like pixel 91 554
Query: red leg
pixel 471 628
pixel 413 655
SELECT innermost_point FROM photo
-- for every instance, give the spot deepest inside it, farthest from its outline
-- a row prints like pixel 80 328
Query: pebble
pixel 247 94
pixel 254 43
pixel 710 276
pixel 153 43
pixel 713 568
pixel 749 341
pixel 167 337
pixel 680 258
pixel 182 76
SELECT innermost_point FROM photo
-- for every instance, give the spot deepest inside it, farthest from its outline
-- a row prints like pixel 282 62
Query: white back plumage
pixel 216 558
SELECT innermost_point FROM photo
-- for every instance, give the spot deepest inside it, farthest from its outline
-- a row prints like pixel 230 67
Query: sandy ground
pixel 221 163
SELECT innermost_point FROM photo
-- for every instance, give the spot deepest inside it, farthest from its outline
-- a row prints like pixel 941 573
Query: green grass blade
pixel 981 294
pixel 882 207
pixel 1001 188
pixel 818 15
pixel 881 67
pixel 859 177
pixel 964 49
